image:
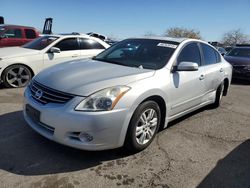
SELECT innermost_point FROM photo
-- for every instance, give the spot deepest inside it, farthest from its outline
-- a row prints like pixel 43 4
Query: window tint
pixel 209 54
pixel 90 44
pixel 30 33
pixel 68 44
pixel 40 43
pixel 190 53
pixel 13 33
pixel 218 59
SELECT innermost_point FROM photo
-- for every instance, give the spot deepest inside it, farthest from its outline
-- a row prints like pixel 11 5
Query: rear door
pixel 188 87
pixel 30 35
pixel 90 47
pixel 70 50
pixel 213 69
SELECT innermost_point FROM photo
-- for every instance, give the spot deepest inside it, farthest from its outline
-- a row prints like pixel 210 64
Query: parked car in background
pixel 239 58
pixel 19 64
pixel 14 35
pixel 125 94
pixel 228 48
pixel 221 50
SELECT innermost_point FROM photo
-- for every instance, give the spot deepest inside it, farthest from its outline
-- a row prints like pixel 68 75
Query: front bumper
pixel 62 124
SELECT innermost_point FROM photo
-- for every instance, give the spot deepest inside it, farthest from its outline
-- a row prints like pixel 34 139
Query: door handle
pixel 75 55
pixel 202 77
pixel 221 70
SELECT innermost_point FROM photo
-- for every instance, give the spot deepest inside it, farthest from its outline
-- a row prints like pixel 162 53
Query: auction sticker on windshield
pixel 167 45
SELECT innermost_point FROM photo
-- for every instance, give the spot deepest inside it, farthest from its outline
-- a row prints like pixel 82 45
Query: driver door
pixel 69 50
pixel 12 37
pixel 187 87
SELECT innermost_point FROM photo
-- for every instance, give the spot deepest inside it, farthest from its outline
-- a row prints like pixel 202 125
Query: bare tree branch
pixel 234 37
pixel 183 32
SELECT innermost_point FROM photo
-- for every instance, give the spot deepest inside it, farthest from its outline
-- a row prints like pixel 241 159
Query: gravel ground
pixel 208 148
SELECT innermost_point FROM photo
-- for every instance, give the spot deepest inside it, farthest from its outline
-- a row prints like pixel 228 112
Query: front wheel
pixel 143 126
pixel 16 76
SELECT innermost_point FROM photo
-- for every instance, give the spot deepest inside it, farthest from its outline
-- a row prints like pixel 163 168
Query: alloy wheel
pixel 18 76
pixel 146 126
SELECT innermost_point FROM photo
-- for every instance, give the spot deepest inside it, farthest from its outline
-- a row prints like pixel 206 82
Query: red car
pixel 14 35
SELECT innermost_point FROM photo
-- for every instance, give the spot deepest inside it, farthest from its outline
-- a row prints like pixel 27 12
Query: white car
pixel 19 64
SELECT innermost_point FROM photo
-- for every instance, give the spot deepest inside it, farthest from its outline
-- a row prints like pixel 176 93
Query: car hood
pixel 237 60
pixel 85 77
pixel 13 52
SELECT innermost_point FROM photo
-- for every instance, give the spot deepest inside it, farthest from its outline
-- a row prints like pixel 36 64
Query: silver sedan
pixel 125 94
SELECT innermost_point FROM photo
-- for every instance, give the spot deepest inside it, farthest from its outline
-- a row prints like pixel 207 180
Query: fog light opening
pixel 85 137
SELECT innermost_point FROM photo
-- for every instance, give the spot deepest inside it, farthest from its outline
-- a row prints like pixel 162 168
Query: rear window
pixel 90 44
pixel 209 54
pixel 240 52
pixel 30 33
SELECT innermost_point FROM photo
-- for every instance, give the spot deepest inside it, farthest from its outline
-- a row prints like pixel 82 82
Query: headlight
pixel 103 100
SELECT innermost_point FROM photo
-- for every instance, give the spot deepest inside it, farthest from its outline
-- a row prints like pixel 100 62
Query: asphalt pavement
pixel 208 148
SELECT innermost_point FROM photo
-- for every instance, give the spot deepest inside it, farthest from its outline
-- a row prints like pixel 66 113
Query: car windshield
pixel 141 53
pixel 40 43
pixel 240 52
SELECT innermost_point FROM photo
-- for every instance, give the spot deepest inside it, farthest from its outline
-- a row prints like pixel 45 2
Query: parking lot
pixel 208 148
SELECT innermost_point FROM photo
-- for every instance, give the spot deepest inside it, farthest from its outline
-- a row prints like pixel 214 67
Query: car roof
pixel 8 25
pixel 173 39
pixel 69 35
pixel 78 36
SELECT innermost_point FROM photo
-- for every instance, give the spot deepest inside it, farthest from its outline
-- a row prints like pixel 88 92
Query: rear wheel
pixel 16 76
pixel 218 96
pixel 143 126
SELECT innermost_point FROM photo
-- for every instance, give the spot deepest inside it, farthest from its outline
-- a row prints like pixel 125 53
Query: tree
pixel 183 32
pixel 234 37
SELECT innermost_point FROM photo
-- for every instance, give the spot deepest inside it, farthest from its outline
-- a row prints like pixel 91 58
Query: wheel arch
pixel 162 104
pixel 31 70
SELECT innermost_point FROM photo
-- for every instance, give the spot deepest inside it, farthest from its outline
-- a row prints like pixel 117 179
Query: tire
pixel 145 123
pixel 16 76
pixel 218 96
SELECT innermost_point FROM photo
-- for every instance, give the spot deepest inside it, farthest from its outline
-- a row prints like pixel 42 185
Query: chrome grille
pixel 48 95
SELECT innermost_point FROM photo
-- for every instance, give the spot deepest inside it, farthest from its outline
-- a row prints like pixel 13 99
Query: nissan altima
pixel 124 95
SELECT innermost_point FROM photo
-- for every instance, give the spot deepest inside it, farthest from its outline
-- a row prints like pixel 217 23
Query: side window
pixel 30 33
pixel 209 54
pixel 218 58
pixel 13 33
pixel 90 44
pixel 68 44
pixel 190 53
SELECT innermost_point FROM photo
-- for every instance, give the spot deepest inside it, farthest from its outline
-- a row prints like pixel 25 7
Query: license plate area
pixel 33 113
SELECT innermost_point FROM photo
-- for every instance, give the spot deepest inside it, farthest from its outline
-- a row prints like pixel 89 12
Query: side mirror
pixel 54 50
pixel 187 66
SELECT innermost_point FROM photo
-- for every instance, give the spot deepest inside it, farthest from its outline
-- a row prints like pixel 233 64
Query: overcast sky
pixel 129 18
